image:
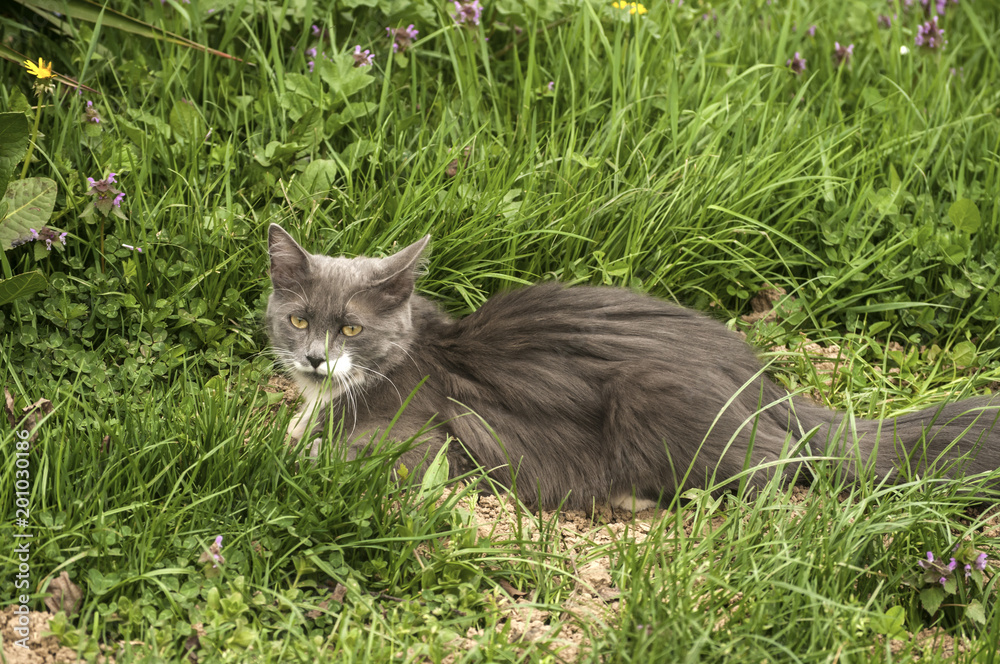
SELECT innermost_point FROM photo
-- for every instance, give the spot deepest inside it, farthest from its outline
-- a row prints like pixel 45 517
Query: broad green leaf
pixel 964 354
pixel 890 623
pixel 21 285
pixel 351 112
pixel 884 201
pixel 187 123
pixel 99 583
pixel 343 77
pixel 965 215
pixel 30 204
pixel 18 103
pixel 975 611
pixel 316 180
pixel 437 471
pixel 14 136
pixel 931 598
pixel 585 161
pixel 304 86
pixel 357 151
pixel 243 637
pixel 954 253
pixel 85 10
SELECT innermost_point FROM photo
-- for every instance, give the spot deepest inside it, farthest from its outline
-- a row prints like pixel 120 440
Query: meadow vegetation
pixel 842 157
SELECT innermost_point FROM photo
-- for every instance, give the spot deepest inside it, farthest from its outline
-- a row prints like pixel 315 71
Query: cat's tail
pixel 957 440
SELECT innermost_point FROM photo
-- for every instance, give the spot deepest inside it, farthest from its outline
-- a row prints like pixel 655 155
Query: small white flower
pixel 903 50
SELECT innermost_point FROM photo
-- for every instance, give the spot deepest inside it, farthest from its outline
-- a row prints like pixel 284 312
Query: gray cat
pixel 584 394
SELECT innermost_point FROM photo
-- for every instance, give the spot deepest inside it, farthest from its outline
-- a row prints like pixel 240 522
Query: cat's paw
pixel 313 450
pixel 307 452
pixel 629 502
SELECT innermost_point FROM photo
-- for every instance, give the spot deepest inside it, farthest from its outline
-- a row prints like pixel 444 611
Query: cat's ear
pixel 289 261
pixel 400 272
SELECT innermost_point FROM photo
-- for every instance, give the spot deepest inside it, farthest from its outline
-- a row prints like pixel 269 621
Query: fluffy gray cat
pixel 578 394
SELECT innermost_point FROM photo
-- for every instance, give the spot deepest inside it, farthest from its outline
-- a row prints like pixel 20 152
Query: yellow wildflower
pixel 39 71
pixel 632 7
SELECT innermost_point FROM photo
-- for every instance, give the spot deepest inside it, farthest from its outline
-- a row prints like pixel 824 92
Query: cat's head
pixel 339 318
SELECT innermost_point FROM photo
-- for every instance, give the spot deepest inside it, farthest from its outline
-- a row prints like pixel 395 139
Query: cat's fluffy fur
pixel 594 394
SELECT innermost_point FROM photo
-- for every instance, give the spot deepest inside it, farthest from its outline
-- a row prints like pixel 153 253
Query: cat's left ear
pixel 400 271
pixel 289 261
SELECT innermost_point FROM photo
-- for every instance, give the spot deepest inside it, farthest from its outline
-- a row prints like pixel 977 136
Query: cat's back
pixel 609 322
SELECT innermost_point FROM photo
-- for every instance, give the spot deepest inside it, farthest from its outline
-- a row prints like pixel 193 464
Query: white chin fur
pixel 340 367
pixel 314 394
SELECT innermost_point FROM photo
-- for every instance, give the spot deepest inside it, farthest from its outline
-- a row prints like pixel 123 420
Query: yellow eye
pixel 300 323
pixel 351 330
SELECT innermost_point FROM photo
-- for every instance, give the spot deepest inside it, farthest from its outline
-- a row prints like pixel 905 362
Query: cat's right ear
pixel 289 261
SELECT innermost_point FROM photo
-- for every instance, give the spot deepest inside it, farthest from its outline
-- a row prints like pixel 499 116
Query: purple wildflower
pixel 930 36
pixel 884 21
pixel 980 563
pixel 106 197
pixel 90 114
pixel 362 58
pixel 311 52
pixel 129 246
pixel 942 580
pixel 216 549
pixel 941 5
pixel 811 31
pixel 952 565
pixel 214 552
pixel 968 571
pixel 311 64
pixel 46 235
pixel 467 12
pixel 930 560
pixel 842 54
pixel 315 30
pixel 552 86
pixel 797 64
pixel 402 37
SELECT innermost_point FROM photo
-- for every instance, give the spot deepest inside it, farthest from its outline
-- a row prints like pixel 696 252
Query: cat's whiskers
pixel 351 385
pixel 286 359
pixel 407 353
pixel 384 377
pixel 361 389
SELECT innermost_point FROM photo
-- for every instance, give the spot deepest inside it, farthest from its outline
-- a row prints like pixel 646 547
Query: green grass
pixel 675 154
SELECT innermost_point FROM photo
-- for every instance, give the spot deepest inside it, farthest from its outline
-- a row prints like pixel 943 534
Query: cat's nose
pixel 314 361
